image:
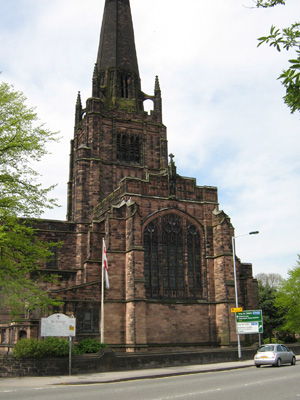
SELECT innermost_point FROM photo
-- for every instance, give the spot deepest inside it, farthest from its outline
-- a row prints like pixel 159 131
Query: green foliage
pixel 291 80
pixel 89 346
pixel 20 278
pixel 55 347
pixel 22 141
pixel 33 348
pixel 28 348
pixel 287 38
pixel 269 3
pixel 288 299
pixel 289 339
pixel 273 341
pixel 272 316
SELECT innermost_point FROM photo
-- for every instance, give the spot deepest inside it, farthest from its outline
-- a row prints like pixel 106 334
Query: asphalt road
pixel 266 383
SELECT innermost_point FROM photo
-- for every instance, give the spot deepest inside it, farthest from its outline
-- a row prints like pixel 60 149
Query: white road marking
pixel 8 391
pixel 188 394
pixel 210 391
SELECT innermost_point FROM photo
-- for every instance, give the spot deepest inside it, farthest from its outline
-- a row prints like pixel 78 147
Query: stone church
pixel 168 244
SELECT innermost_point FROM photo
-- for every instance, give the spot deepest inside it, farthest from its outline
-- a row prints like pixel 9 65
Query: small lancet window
pixel 124 87
pixel 52 261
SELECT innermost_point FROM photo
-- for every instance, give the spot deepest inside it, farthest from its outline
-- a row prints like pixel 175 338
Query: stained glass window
pixel 172 258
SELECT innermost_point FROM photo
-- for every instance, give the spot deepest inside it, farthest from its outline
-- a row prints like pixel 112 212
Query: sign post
pixel 60 325
pixel 235 310
pixel 249 322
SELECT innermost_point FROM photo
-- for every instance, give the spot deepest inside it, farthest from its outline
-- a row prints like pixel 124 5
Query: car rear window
pixel 262 349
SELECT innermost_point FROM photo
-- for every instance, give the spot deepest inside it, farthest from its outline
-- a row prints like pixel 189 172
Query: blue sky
pixel 222 105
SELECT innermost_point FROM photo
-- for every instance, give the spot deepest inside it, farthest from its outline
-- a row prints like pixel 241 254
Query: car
pixel 274 354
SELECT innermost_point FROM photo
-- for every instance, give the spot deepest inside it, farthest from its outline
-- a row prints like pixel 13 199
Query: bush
pixel 89 346
pixel 33 348
pixel 28 348
pixel 267 341
pixel 55 347
pixel 289 339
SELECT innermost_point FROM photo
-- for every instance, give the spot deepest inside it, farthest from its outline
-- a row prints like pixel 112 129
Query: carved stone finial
pixel 78 109
pixel 172 174
pixel 157 86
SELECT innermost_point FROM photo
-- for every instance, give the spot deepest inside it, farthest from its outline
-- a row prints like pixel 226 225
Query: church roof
pixel 117 45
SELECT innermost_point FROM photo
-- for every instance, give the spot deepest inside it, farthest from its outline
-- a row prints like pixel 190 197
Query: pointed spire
pixel 116 78
pixel 117 45
pixel 78 110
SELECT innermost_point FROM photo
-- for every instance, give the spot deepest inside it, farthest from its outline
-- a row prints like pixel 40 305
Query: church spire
pixel 117 45
pixel 117 67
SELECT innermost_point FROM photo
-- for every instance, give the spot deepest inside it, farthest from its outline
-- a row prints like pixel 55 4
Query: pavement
pixel 121 376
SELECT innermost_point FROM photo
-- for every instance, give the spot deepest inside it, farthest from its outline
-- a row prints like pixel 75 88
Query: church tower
pixel 114 137
pixel 168 244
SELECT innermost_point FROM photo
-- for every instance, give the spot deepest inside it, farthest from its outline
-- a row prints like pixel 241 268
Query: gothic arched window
pixel 151 259
pixel 193 251
pixel 172 258
pixel 172 254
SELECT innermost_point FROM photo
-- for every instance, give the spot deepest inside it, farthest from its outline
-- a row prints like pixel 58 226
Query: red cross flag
pixel 105 265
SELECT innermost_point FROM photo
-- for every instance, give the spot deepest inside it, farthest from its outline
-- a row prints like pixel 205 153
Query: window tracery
pixel 172 258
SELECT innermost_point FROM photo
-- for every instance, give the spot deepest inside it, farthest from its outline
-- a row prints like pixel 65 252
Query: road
pixel 266 383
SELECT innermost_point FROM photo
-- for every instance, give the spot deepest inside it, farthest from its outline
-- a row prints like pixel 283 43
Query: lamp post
pixel 235 283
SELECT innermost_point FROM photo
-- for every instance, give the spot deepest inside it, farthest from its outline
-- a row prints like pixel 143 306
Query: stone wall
pixel 106 360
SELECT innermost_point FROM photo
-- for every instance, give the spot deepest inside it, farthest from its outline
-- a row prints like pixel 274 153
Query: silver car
pixel 274 354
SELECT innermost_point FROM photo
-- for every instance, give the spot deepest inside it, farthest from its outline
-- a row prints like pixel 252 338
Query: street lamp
pixel 235 283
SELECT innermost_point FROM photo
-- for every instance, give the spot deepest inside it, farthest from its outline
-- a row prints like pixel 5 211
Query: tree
pixel 269 3
pixel 267 289
pixel 22 141
pixel 270 280
pixel 287 38
pixel 288 299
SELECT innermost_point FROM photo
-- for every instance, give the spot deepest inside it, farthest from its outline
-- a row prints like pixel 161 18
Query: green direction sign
pixel 248 322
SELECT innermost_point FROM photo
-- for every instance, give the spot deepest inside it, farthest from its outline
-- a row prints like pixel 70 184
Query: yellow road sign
pixel 235 310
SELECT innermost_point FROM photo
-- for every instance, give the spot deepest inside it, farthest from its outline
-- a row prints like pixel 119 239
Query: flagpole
pixel 102 296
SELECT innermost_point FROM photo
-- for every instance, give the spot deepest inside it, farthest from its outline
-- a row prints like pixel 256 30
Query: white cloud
pixel 227 124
